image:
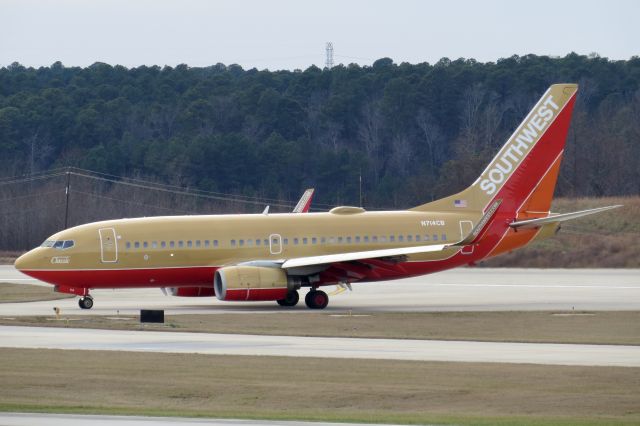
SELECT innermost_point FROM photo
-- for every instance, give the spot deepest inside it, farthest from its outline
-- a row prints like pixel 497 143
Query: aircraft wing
pixel 556 218
pixel 360 255
pixel 394 252
pixel 305 202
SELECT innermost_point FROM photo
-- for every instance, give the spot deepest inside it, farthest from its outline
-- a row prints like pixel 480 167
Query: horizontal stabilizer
pixel 536 223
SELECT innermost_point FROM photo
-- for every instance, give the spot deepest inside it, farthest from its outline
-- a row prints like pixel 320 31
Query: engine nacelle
pixel 192 291
pixel 253 283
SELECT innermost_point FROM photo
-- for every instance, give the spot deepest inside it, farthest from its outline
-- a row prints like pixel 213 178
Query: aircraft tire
pixel 291 300
pixel 85 303
pixel 316 299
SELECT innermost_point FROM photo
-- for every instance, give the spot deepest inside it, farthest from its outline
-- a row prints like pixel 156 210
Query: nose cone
pixel 24 262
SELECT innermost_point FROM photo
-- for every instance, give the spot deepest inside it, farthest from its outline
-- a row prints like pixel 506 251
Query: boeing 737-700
pixel 261 257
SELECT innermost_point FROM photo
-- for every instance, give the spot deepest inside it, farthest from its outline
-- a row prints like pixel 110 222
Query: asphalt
pixel 462 289
pixel 323 347
pixel 28 419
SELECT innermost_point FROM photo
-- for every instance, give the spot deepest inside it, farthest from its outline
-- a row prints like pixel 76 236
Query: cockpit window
pixel 59 245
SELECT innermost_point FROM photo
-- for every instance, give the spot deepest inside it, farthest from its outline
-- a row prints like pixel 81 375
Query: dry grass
pixel 606 240
pixel 309 388
pixel 598 327
pixel 11 293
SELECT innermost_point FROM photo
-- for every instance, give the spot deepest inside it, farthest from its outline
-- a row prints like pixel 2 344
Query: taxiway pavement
pixel 30 419
pixel 322 347
pixel 462 289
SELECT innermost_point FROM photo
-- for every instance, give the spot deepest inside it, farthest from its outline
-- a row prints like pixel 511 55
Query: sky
pixel 292 34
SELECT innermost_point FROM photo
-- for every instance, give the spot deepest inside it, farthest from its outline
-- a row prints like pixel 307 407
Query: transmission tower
pixel 329 61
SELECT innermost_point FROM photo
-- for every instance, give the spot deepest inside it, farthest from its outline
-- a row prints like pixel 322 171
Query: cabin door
pixel 108 245
pixel 275 244
pixel 466 226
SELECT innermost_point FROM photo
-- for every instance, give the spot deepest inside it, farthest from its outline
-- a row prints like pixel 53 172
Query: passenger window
pixel 314 240
pixel 435 237
pixel 444 237
pixel 266 242
pixel 409 238
pixel 366 238
pixel 383 239
pixel 189 244
pixel 374 239
pixel 305 240
pixel 417 237
pixel 348 240
pixel 154 244
pixel 197 243
pixel 206 243
pixel 285 241
pixel 172 244
pixel 163 244
pixel 400 238
pixel 258 241
pixel 339 240
pixel 323 240
pixel 295 241
pixel 233 243
pixel 426 238
pixel 136 244
pixel 332 240
pixel 128 245
pixel 357 238
pixel 180 244
pixel 145 244
pixel 215 243
pixel 250 243
pixel 392 238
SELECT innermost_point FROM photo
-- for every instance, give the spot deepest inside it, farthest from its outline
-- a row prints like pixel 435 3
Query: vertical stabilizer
pixel 532 153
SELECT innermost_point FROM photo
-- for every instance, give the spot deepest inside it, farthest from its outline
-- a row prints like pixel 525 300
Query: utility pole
pixel 360 178
pixel 329 59
pixel 67 194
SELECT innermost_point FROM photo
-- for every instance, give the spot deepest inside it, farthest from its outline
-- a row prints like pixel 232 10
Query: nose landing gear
pixel 85 302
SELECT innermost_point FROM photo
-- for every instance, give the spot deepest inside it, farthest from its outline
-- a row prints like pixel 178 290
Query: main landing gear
pixel 290 300
pixel 316 299
pixel 85 302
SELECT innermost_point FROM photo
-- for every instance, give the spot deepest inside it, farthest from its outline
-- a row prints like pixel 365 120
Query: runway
pixel 462 289
pixel 322 347
pixel 29 419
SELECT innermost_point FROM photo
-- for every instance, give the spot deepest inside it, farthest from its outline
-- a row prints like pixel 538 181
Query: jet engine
pixel 253 283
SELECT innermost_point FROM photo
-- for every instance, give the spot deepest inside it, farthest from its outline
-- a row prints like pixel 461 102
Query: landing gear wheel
pixel 316 299
pixel 85 302
pixel 290 300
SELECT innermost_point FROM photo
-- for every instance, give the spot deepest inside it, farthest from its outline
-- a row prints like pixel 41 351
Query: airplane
pixel 270 257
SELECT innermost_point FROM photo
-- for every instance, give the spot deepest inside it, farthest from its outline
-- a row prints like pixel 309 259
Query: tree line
pixel 411 132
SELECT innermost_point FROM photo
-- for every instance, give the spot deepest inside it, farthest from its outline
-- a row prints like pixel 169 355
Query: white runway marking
pixel 322 347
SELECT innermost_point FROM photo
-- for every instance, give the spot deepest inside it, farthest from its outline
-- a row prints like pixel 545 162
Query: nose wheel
pixel 316 299
pixel 85 302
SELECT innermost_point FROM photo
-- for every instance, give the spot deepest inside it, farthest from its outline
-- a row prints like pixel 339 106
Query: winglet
pixel 482 223
pixel 304 204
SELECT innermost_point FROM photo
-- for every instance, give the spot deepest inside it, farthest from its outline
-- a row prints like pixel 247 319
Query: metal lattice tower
pixel 329 61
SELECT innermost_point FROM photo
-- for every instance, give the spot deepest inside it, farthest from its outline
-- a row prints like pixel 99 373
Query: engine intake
pixel 254 283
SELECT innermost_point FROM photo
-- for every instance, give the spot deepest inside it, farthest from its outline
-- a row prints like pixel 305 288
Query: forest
pixel 387 135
